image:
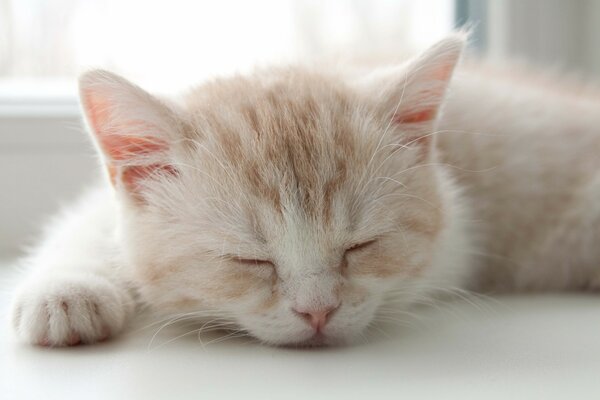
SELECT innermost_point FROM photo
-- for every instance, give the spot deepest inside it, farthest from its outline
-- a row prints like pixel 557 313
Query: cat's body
pixel 525 150
pixel 294 205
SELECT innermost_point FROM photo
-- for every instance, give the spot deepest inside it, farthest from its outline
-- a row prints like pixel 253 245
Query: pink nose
pixel 316 318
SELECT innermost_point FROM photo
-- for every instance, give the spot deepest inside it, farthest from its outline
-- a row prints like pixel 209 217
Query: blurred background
pixel 45 159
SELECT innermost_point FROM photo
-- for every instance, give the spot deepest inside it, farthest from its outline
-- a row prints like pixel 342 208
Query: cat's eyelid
pixel 361 245
pixel 249 261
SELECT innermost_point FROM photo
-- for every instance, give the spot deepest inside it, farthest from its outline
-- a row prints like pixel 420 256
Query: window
pixel 167 45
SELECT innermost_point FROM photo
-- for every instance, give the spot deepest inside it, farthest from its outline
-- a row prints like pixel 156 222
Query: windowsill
pixel 38 98
pixel 39 110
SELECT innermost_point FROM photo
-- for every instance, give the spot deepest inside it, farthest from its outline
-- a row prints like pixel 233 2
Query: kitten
pixel 294 203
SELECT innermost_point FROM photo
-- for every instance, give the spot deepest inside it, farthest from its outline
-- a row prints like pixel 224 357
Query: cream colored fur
pixel 352 195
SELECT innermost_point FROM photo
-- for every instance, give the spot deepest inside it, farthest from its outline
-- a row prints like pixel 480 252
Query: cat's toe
pixel 70 311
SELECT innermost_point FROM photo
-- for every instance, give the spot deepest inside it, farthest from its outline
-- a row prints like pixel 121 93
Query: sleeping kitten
pixel 294 203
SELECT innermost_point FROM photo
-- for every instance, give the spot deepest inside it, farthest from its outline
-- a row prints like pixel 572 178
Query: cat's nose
pixel 317 318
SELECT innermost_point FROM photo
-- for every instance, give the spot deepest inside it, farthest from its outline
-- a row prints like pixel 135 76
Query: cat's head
pixel 292 203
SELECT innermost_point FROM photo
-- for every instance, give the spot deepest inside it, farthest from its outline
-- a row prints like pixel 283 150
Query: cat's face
pixel 289 203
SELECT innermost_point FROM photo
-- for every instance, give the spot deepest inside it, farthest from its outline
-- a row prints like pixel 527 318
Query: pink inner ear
pixel 130 157
pixel 123 148
pixel 443 71
pixel 131 175
pixel 97 109
pixel 431 96
pixel 415 117
pixel 130 150
pixel 424 109
pixel 120 147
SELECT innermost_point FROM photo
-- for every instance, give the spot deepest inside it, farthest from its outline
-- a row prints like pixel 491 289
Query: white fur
pixel 78 291
pixel 514 176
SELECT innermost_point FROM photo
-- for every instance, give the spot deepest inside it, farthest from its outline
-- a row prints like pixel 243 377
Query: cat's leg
pixel 75 291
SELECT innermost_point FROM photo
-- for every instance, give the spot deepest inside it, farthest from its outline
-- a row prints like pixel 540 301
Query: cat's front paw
pixel 70 310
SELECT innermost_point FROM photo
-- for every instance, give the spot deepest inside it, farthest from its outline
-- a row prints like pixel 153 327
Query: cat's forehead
pixel 270 104
pixel 290 136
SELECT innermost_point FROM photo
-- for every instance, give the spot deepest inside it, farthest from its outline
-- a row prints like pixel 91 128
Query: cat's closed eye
pixel 250 261
pixel 360 246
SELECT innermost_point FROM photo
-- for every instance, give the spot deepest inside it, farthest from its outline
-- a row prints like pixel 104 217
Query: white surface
pixel 528 347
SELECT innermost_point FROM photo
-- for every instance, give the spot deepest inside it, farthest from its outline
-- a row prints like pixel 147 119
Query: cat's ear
pixel 132 129
pixel 410 95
